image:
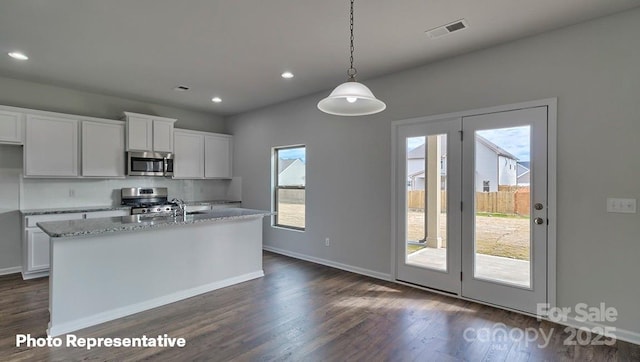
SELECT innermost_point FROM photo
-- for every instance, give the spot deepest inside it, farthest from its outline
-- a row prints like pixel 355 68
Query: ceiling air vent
pixel 447 29
pixel 181 88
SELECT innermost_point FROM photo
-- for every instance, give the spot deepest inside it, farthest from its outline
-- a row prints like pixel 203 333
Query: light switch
pixel 625 206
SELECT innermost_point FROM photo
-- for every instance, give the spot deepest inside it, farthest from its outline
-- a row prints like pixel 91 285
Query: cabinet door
pixel 188 155
pixel 10 127
pixel 103 149
pixel 139 134
pixel 217 156
pixel 51 146
pixel 37 250
pixel 162 136
pixel 107 213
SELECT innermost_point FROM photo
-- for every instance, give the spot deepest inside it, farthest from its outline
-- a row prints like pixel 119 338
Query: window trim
pixel 275 188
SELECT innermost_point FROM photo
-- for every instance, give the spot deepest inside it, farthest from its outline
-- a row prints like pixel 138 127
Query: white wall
pixel 26 94
pixel 593 70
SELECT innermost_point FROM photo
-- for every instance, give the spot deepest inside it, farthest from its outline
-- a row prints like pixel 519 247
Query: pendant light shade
pixel 351 98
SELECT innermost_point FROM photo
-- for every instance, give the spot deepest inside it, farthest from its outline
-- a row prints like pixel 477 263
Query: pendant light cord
pixel 351 72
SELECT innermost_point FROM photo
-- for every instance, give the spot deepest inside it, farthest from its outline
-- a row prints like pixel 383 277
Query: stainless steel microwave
pixel 149 164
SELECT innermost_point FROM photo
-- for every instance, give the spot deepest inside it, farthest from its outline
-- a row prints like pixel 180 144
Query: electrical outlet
pixel 327 242
pixel 625 206
pixel 72 193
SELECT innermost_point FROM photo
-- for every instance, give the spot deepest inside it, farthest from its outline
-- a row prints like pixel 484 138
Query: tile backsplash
pixel 17 192
pixel 48 193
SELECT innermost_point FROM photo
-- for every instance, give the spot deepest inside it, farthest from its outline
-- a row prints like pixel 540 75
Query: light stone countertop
pixel 67 210
pixel 86 227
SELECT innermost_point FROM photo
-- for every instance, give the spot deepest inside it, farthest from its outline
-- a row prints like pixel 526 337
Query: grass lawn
pixel 497 234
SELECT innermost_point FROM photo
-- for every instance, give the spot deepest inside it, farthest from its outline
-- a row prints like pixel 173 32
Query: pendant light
pixel 351 98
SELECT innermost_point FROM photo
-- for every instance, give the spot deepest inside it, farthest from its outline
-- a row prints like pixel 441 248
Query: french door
pixel 472 206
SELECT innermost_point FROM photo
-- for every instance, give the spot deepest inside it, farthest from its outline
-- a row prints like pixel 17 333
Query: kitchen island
pixel 108 268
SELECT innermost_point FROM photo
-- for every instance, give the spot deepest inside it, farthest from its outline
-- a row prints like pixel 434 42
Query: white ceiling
pixel 142 49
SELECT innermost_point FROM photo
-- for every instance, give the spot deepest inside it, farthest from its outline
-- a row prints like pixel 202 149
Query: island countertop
pixel 84 227
pixel 66 210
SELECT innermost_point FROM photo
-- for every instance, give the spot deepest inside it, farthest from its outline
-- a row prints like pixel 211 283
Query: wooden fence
pixel 515 202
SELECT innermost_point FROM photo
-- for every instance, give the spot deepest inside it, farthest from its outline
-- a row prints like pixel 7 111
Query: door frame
pixel 552 141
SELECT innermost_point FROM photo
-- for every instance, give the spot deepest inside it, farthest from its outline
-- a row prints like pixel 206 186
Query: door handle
pixel 538 221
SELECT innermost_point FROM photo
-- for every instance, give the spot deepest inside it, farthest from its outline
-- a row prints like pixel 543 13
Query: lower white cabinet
pixel 35 242
pixel 108 213
pixel 38 246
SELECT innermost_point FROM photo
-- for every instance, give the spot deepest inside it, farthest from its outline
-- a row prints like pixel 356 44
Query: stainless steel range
pixel 147 200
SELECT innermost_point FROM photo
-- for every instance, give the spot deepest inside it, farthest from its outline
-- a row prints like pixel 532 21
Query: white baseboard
pixel 620 334
pixel 93 320
pixel 333 264
pixel 32 275
pixel 12 270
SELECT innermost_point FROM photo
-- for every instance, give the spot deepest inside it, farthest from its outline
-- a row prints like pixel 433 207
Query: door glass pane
pixel 502 228
pixel 426 211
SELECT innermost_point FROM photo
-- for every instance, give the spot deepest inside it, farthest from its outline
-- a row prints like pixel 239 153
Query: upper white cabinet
pixel 201 155
pixel 51 146
pixel 103 149
pixel 10 127
pixel 188 154
pixel 139 133
pixel 217 156
pixel 163 135
pixel 149 133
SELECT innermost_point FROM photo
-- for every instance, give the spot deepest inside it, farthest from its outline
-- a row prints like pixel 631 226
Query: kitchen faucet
pixel 183 208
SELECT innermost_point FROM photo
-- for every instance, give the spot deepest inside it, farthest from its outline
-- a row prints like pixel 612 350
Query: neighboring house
pixel 416 165
pixel 494 166
pixel 291 172
pixel 524 173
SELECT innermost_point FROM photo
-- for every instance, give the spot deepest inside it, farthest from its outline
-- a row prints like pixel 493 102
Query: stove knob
pixel 158 209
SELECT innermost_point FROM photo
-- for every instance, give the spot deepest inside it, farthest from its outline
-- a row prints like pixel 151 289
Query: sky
pixel 293 153
pixel 515 140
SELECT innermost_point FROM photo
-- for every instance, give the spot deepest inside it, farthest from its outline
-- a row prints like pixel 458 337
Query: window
pixel 289 172
pixel 485 186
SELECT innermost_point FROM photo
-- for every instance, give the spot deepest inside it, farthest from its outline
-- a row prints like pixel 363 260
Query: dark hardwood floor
pixel 302 311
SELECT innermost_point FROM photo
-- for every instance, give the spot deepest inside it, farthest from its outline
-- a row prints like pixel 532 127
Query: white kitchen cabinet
pixel 217 156
pixel 38 246
pixel 51 146
pixel 10 127
pixel 200 155
pixel 188 155
pixel 149 133
pixel 139 134
pixel 108 213
pixel 35 242
pixel 103 149
pixel 162 135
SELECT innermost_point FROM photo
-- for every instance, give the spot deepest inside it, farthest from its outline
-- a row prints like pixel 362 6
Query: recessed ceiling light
pixel 18 55
pixel 287 75
pixel 216 99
